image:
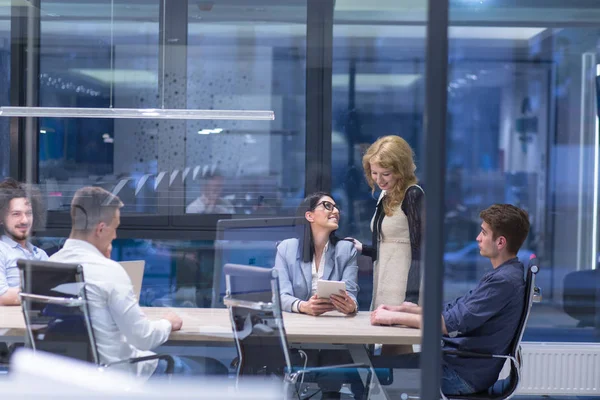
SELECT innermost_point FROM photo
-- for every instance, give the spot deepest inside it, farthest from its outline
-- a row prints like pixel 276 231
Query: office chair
pixel 57 316
pixel 505 388
pixel 252 297
pixel 581 296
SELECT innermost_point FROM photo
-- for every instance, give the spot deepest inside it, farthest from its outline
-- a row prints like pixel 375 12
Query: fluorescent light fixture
pixel 120 76
pixel 360 29
pixel 143 113
pixel 209 131
pixel 42 131
pixel 381 5
pixel 366 82
pixel 420 31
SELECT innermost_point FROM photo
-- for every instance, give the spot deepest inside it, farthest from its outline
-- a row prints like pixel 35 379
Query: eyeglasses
pixel 329 206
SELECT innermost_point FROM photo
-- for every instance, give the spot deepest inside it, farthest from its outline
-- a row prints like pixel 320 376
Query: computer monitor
pixel 250 241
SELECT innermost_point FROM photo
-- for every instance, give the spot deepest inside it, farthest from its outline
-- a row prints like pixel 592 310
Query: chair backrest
pixel 252 296
pixel 244 282
pixel 55 309
pixel 512 383
pixel 532 269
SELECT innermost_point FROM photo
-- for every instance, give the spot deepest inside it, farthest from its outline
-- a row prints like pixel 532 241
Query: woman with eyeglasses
pixel 317 254
pixel 396 225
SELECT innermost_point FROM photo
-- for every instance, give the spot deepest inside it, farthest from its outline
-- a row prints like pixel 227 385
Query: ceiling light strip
pixel 141 113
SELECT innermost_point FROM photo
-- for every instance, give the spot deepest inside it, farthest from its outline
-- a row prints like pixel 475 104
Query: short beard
pixel 17 237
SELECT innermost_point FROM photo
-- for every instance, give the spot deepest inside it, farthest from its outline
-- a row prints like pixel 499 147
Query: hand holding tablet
pixel 326 288
pixel 330 296
pixel 335 291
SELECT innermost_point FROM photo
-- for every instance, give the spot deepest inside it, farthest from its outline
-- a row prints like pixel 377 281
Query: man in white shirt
pixel 121 328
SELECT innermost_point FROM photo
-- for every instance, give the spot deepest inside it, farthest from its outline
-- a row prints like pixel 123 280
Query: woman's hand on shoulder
pixel 357 244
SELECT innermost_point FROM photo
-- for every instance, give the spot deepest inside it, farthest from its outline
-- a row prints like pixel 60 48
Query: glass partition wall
pixel 521 127
pixel 173 174
pixel 5 14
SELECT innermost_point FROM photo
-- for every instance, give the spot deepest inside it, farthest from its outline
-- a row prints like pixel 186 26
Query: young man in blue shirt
pixel 17 209
pixel 484 320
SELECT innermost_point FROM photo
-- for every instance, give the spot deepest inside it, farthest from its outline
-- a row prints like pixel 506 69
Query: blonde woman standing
pixel 396 225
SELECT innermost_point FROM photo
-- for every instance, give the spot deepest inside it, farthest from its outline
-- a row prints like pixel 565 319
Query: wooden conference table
pixel 213 325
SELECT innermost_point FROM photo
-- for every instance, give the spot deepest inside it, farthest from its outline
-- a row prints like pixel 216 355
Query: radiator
pixel 560 369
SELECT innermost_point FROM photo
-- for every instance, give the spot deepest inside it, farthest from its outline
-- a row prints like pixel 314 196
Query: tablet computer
pixel 327 288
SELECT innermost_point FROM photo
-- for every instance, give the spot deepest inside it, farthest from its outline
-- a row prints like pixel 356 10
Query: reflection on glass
pixel 92 57
pixel 102 58
pixel 211 199
pixel 378 89
pixel 522 124
pixel 250 57
pixel 177 273
pixel 135 113
pixel 188 273
pixel 5 13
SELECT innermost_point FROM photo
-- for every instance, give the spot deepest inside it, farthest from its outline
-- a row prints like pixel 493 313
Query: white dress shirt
pixel 316 275
pixel 121 328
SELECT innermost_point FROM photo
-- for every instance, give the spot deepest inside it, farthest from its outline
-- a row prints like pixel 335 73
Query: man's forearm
pixel 414 320
pixel 414 310
pixel 408 319
pixel 10 297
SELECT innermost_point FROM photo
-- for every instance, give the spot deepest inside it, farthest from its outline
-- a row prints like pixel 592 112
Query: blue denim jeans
pixel 452 384
pixel 188 367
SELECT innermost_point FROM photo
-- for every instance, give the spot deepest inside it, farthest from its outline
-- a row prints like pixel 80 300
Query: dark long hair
pixel 306 241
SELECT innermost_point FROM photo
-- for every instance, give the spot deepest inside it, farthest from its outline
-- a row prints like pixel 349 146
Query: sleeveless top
pixel 393 266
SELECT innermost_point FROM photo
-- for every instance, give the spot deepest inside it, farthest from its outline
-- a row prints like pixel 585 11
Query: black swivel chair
pixel 57 317
pixel 506 388
pixel 581 297
pixel 252 297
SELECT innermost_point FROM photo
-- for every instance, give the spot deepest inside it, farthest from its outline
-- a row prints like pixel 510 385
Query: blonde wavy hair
pixel 393 153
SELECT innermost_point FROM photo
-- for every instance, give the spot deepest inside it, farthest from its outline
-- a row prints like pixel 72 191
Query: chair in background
pixel 581 296
pixel 57 317
pixel 506 388
pixel 252 297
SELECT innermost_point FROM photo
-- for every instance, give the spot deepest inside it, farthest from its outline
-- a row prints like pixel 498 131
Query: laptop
pixel 135 270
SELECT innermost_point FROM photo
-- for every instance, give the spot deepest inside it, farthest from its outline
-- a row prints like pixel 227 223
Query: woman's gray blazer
pixel 295 276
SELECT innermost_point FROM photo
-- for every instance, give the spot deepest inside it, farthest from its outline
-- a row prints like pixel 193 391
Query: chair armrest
pixel 468 354
pixel 472 354
pixel 170 361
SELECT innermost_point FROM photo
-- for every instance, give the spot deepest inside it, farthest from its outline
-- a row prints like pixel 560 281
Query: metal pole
pixel 435 172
